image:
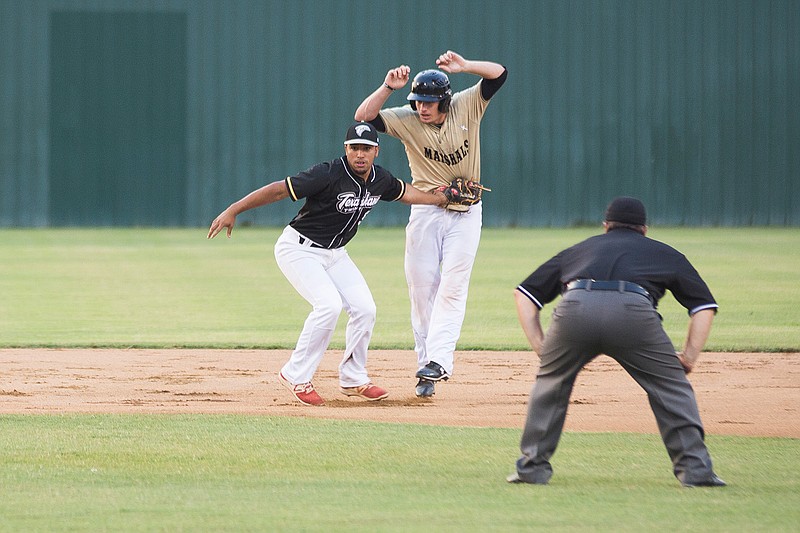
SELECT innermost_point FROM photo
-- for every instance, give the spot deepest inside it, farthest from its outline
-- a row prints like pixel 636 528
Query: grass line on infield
pixel 233 473
pixel 156 288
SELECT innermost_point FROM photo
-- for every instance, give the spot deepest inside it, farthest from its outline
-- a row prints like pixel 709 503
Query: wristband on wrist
pixel 387 86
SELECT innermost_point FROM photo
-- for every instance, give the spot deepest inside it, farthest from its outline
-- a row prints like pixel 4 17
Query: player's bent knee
pixel 328 311
pixel 365 314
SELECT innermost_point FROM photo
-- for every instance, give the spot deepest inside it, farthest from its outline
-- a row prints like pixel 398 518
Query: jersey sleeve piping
pixel 530 296
pixel 402 189
pixel 292 194
pixel 699 308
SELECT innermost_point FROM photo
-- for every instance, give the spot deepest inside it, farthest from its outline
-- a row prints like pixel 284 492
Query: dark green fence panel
pixel 23 114
pixel 689 104
pixel 117 118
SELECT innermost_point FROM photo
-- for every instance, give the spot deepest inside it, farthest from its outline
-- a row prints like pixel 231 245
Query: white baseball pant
pixel 330 282
pixel 441 246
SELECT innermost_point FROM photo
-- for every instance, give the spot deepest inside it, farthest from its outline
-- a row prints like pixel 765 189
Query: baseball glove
pixel 463 192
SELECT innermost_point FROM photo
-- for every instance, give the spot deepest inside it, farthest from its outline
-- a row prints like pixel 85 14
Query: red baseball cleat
pixel 304 392
pixel 369 392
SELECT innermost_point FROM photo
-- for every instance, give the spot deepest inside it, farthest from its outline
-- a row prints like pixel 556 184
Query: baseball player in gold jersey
pixel 441 134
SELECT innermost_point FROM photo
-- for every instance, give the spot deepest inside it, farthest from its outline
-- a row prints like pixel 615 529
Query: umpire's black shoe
pixel 432 372
pixel 514 478
pixel 713 481
pixel 425 388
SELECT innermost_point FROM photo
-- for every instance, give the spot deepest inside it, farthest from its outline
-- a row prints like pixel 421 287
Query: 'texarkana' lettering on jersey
pixel 337 200
pixel 448 159
pixel 348 202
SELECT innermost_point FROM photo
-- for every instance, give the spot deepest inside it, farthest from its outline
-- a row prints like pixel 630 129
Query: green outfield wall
pixel 161 113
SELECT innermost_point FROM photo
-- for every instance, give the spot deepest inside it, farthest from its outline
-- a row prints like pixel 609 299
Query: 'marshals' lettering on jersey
pixel 348 202
pixel 448 159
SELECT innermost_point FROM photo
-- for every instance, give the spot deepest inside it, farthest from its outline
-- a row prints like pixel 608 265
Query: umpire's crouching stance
pixel 611 284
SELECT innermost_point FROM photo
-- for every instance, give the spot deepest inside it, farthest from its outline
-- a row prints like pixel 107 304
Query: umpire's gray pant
pixel 626 327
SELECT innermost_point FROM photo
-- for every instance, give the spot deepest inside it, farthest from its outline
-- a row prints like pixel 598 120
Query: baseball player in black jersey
pixel 310 253
pixel 610 286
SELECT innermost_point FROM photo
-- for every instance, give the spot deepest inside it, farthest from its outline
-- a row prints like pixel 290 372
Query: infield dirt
pixel 755 394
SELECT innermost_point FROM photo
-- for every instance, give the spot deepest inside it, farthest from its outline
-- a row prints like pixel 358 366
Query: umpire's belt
pixel 614 285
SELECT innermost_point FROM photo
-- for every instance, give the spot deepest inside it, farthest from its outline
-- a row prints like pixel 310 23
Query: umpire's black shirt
pixel 627 255
pixel 337 200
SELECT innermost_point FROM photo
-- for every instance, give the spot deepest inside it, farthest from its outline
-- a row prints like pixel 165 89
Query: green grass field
pixel 232 473
pixel 155 288
pixel 163 288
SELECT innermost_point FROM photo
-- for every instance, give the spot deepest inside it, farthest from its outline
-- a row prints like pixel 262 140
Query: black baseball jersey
pixel 337 200
pixel 622 254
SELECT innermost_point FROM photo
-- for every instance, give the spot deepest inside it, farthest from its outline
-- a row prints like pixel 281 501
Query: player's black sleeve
pixel 398 193
pixel 310 181
pixel 391 188
pixel 378 123
pixel 488 87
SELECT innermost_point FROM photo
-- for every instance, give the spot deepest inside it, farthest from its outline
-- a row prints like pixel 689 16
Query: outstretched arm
pixel 453 62
pixel 528 314
pixel 416 196
pixel 265 195
pixel 696 337
pixel 372 104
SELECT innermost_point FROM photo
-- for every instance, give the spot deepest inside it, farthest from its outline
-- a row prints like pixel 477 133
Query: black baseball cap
pixel 362 133
pixel 627 210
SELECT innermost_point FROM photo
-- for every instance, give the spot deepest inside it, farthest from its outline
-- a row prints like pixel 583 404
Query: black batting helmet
pixel 431 86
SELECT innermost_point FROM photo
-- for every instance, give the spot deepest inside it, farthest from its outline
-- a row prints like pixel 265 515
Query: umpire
pixel 610 286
